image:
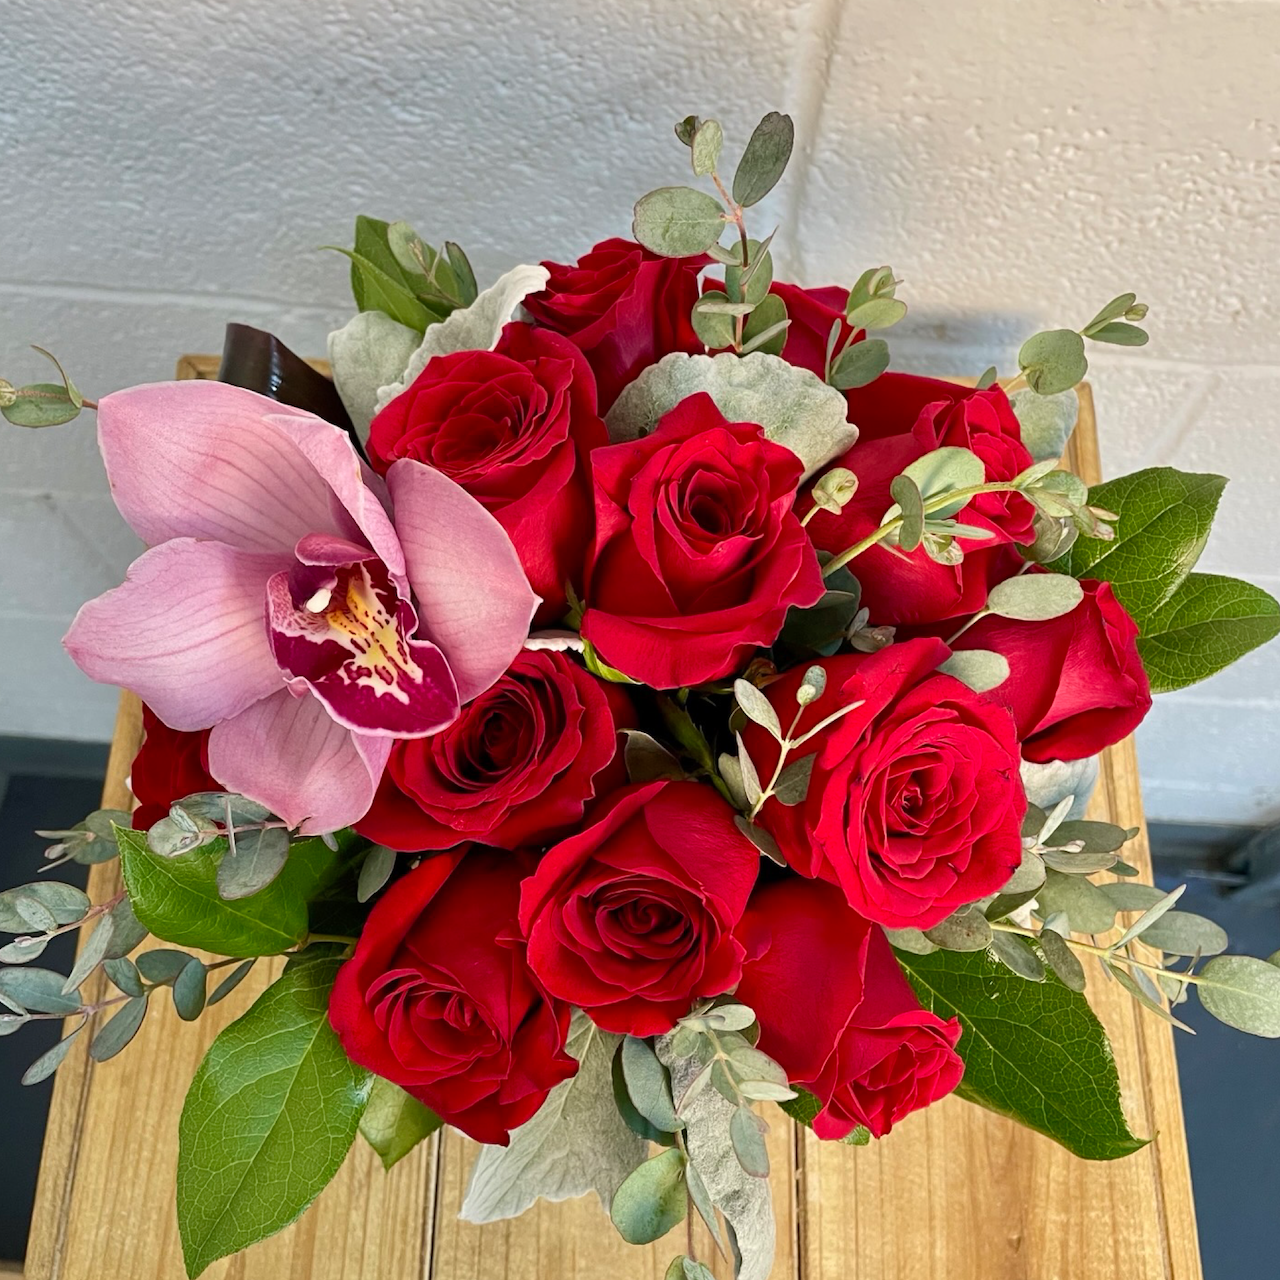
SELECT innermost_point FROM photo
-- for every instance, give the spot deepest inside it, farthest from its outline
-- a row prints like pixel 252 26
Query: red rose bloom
pixel 170 764
pixel 914 805
pixel 513 427
pixel 890 404
pixel 439 1000
pixel 633 918
pixel 698 554
pixel 517 768
pixel 912 588
pixel 623 306
pixel 1076 683
pixel 859 1039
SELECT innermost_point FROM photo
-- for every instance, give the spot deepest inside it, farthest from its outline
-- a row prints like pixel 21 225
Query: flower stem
pixel 1106 953
pixel 935 503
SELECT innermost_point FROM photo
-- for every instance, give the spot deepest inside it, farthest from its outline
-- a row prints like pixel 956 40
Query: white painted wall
pixel 167 166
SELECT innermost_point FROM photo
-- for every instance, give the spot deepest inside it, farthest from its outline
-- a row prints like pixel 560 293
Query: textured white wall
pixel 168 166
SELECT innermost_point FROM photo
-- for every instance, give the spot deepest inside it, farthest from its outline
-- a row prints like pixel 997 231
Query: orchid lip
pixel 345 632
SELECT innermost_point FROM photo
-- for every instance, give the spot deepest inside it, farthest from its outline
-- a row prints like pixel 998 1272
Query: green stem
pixel 935 503
pixel 1106 953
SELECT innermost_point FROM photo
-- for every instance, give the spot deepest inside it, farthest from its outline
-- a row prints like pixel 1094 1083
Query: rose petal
pixel 185 631
pixel 473 598
pixel 287 752
pixel 197 459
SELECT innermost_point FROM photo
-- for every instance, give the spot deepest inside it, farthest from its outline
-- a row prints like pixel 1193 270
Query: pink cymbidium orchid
pixel 289 600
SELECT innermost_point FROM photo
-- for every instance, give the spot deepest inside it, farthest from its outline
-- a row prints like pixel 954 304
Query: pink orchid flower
pixel 281 605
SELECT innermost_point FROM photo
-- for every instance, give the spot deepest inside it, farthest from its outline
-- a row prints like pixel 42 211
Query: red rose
pixel 516 769
pixel 623 306
pixel 859 1039
pixel 438 997
pixel 913 588
pixel 170 764
pixel 812 312
pixel 698 554
pixel 633 918
pixel 890 405
pixel 513 427
pixel 914 806
pixel 1076 683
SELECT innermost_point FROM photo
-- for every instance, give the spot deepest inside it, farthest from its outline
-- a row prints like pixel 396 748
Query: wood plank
pixel 954 1193
pixel 105 1199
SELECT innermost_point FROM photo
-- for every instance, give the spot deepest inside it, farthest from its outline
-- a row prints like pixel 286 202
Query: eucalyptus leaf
pixel 860 364
pixel 652 1199
pixel 230 982
pixel 376 869
pixel 189 991
pixel 793 782
pixel 764 160
pixel 1053 361
pixel 911 508
pixel 912 940
pixel 38 991
pixel 981 669
pixel 766 327
pixel 577 1142
pixel 275 1104
pixel 47 1063
pixel 92 953
pixel 705 146
pixel 715 329
pixel 1183 933
pixel 1085 904
pixel 42 404
pixel 942 470
pixel 1062 960
pixel 678 222
pixel 793 406
pixel 648 1085
pixel 1015 954
pixel 1243 992
pixel 1035 597
pixel 252 861
pixel 1120 334
pixel 757 707
pixel 964 930
pixel 746 1132
pixel 117 1033
pixel 124 976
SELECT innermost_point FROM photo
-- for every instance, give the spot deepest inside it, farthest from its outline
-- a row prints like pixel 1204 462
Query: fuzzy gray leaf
pixel 576 1143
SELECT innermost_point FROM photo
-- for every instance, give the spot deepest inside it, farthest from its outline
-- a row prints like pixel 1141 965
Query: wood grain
pixel 954 1193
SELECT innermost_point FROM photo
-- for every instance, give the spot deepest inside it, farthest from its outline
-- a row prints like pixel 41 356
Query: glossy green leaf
pixel 1061 1081
pixel 1164 521
pixel 269 1119
pixel 383 292
pixel 394 1122
pixel 1208 623
pixel 177 898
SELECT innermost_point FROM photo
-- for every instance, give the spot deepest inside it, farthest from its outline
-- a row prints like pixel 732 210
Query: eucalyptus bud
pixel 812 686
pixel 834 489
pixel 8 394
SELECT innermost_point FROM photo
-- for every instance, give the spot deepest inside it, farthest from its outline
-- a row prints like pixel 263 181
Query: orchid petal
pixel 196 459
pixel 472 596
pixel 336 462
pixel 184 631
pixel 287 753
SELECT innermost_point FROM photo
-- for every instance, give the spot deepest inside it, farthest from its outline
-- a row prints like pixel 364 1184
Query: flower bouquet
pixel 624 703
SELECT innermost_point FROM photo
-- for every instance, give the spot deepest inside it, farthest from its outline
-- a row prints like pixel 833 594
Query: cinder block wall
pixel 167 166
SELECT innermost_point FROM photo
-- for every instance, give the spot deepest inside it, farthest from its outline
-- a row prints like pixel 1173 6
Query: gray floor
pixel 1230 1082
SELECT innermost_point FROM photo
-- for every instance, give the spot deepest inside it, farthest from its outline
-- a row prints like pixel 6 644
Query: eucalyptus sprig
pixel 872 304
pixel 684 222
pixel 43 404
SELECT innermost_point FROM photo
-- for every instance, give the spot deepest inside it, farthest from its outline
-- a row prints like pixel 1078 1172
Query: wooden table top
pixel 954 1193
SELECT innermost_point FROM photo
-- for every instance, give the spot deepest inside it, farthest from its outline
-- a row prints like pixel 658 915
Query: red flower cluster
pixel 553 883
